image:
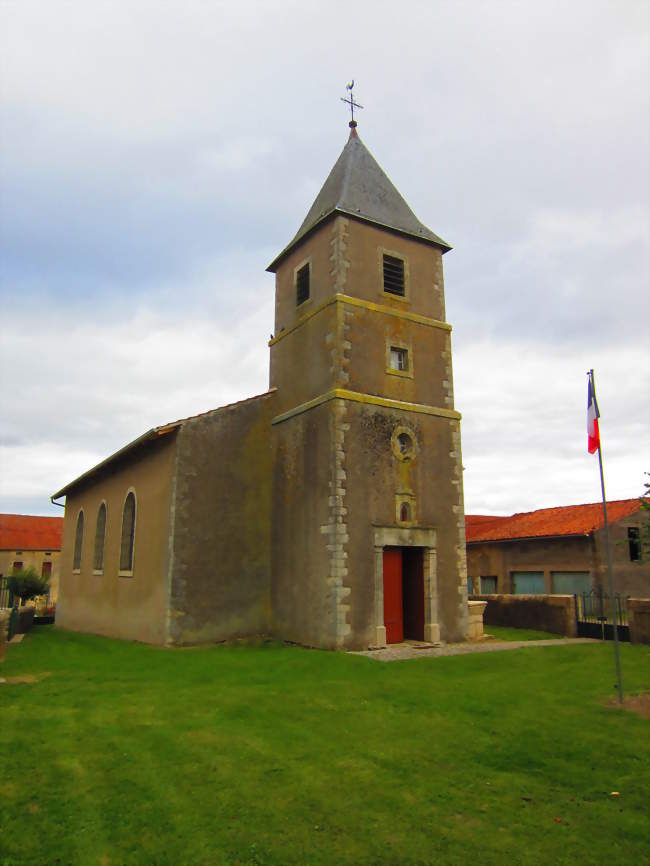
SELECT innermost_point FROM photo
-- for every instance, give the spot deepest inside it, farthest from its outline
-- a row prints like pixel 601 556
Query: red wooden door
pixel 393 613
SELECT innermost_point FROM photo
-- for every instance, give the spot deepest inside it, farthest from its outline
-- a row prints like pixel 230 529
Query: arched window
pixel 78 542
pixel 100 536
pixel 128 533
pixel 405 512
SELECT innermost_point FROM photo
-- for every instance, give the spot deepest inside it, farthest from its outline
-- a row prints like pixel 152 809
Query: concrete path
pixel 401 651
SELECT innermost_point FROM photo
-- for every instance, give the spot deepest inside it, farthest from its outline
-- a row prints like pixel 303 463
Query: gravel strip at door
pixel 401 652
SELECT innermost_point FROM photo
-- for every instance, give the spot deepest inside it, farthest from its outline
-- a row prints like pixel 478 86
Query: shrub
pixel 25 584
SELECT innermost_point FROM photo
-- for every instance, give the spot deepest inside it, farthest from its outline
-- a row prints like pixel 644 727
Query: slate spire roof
pixel 358 187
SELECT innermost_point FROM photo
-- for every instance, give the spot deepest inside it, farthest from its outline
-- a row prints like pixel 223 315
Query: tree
pixel 645 512
pixel 26 584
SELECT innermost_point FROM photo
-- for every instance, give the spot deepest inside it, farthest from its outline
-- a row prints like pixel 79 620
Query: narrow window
pixel 634 543
pixel 78 542
pixel 46 570
pixel 302 285
pixel 405 512
pixel 488 584
pixel 128 534
pixel 399 359
pixel 100 536
pixel 393 275
pixel 470 585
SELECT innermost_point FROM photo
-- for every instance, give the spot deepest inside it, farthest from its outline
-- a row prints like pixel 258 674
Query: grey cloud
pixel 150 173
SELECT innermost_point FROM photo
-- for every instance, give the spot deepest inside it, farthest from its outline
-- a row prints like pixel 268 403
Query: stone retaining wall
pixel 638 616
pixel 552 613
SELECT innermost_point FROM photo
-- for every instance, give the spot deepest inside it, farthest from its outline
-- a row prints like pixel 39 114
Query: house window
pixel 78 542
pixel 470 585
pixel 399 358
pixel 394 282
pixel 634 543
pixel 128 534
pixel 46 570
pixel 100 536
pixel 302 284
pixel 17 566
pixel 488 584
pixel 405 512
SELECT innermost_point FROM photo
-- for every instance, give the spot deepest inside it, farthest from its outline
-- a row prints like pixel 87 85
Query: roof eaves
pixel 150 435
pixel 531 537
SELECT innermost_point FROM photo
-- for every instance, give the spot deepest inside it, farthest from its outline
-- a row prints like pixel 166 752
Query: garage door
pixel 570 582
pixel 528 582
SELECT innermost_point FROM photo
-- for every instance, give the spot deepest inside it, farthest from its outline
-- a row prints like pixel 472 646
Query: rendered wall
pixel 630 577
pixel 546 555
pixel 221 518
pixel 305 594
pixel 583 553
pixel 107 603
pixel 34 559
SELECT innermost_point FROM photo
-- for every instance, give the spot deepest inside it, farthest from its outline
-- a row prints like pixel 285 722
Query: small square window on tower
pixel 399 359
pixel 302 284
pixel 394 281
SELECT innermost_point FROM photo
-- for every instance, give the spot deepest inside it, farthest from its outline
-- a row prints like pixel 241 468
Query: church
pixel 327 511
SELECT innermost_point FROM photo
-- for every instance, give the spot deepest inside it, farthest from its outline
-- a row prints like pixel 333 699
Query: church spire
pixel 358 187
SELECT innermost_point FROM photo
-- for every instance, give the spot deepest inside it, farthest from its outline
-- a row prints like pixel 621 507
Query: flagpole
pixel 610 573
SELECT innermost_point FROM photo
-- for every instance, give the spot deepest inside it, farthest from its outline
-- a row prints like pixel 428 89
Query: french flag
pixel 593 433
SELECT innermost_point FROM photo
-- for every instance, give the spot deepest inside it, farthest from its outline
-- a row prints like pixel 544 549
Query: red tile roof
pixel 25 532
pixel 547 522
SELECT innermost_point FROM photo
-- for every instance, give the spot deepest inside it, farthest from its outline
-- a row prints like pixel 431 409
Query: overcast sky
pixel 154 157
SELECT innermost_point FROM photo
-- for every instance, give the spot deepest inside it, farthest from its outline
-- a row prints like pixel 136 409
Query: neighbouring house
pixel 559 550
pixel 28 541
pixel 326 511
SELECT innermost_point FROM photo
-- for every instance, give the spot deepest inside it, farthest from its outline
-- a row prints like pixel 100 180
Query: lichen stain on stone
pixel 377 429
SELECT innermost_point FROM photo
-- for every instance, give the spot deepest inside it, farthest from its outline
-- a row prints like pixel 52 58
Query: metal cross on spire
pixel 350 101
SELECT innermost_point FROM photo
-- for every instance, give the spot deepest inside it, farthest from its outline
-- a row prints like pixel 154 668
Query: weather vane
pixel 350 101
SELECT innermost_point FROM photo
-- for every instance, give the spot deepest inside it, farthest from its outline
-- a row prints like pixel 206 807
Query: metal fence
pixel 594 617
pixel 6 595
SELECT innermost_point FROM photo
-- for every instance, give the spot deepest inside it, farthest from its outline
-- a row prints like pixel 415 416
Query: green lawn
pixel 127 754
pixel 500 632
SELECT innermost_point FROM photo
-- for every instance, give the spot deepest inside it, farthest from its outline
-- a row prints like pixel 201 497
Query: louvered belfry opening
pixel 393 275
pixel 302 285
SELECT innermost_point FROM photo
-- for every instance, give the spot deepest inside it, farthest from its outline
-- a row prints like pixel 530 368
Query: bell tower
pixel 368 537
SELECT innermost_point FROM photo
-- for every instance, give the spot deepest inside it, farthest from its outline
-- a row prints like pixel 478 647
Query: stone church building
pixel 327 511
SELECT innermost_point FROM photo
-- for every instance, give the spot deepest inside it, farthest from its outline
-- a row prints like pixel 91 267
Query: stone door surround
pixel 395 536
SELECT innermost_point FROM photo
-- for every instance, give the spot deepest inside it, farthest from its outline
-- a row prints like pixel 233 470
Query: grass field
pixel 119 753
